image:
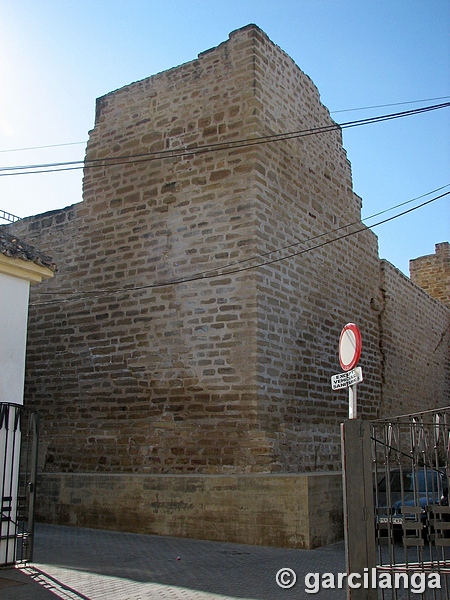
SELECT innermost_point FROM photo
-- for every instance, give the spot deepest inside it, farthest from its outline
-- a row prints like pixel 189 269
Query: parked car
pixel 405 497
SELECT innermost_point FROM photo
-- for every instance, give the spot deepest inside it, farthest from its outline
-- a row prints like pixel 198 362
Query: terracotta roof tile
pixel 12 246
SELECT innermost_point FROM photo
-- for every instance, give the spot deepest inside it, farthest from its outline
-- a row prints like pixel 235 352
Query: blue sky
pixel 58 56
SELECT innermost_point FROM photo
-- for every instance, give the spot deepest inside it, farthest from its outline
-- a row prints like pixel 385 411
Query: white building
pixel 20 266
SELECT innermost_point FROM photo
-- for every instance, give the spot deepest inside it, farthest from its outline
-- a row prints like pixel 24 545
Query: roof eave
pixel 24 269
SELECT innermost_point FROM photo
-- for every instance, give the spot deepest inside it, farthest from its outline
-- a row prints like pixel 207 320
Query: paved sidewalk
pixel 87 564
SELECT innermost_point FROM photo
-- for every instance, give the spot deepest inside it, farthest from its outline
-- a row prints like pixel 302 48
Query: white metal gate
pixel 18 465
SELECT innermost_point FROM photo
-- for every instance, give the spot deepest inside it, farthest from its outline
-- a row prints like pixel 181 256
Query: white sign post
pixel 350 346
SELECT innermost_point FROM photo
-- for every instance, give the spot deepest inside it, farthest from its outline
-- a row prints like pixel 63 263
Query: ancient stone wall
pixel 415 334
pixel 223 373
pixel 160 378
pixel 305 203
pixel 201 293
pixel 203 282
pixel 286 510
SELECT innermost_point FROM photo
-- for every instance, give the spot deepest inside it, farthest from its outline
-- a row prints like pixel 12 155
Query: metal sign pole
pixel 352 406
pixel 357 474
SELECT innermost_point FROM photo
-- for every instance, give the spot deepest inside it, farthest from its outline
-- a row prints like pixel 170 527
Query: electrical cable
pixel 331 112
pixel 391 104
pixel 226 145
pixel 297 243
pixel 294 244
pixel 42 147
pixel 223 270
pixel 230 146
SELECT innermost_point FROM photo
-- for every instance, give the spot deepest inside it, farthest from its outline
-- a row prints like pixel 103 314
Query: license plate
pixel 393 520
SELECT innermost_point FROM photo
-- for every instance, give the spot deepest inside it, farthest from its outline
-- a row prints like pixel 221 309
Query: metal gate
pixel 411 468
pixel 18 465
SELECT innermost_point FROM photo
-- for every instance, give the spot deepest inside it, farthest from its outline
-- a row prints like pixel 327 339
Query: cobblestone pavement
pixel 72 563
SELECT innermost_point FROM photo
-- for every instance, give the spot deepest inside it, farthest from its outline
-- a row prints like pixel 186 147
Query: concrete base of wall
pixel 284 510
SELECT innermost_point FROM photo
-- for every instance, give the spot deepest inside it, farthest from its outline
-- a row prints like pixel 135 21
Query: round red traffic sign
pixel 350 346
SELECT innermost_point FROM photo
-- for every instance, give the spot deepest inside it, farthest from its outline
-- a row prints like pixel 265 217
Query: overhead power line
pixel 232 269
pixel 346 226
pixel 391 104
pixel 42 147
pixel 331 112
pixel 192 151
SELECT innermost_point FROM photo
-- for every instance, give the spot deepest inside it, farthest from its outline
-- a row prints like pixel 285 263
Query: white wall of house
pixel 14 294
pixel 15 278
pixel 16 275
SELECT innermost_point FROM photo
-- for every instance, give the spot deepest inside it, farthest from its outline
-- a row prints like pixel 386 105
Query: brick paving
pixel 72 563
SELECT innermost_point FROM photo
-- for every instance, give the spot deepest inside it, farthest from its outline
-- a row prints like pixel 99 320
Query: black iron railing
pixel 411 467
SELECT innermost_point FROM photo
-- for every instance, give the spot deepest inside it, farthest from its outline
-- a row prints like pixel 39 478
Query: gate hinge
pixel 364 513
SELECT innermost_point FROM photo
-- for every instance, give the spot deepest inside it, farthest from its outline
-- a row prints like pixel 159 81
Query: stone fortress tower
pixel 432 273
pixel 181 359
